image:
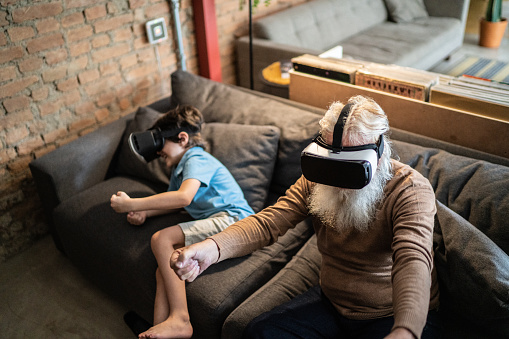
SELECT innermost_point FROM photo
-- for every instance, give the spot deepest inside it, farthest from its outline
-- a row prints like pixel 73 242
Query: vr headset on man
pixel 147 144
pixel 337 165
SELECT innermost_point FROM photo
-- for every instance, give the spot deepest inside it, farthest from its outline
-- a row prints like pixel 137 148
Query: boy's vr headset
pixel 147 144
pixel 337 165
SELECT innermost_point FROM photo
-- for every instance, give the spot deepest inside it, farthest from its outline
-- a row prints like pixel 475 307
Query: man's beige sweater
pixel 387 270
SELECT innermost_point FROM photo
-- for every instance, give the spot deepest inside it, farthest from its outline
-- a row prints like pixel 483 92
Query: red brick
pixel 16 103
pixel 95 12
pixel 105 99
pixel 15 135
pixel 110 52
pixel 36 11
pixel 30 64
pixel 54 135
pixel 3 20
pixel 49 107
pixel 79 33
pixel 124 104
pixel 136 3
pixel 84 108
pixel 128 61
pixel 20 164
pixel 45 43
pixel 157 10
pixel 15 119
pixel 7 155
pixel 54 57
pixel 73 19
pixel 40 93
pixel 112 23
pixel 28 146
pixel 146 55
pixel 79 48
pixel 79 3
pixel 100 41
pixel 101 114
pixel 125 90
pixel 7 73
pixel 71 97
pixel 123 34
pixel 77 64
pixel 109 68
pixel 10 53
pixel 140 71
pixel 16 86
pixel 67 85
pixel 88 76
pixel 103 85
pixel 40 152
pixel 49 25
pixel 20 33
pixel 79 125
pixel 55 73
pixel 3 39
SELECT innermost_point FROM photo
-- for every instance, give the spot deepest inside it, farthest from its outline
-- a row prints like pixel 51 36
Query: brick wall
pixel 68 67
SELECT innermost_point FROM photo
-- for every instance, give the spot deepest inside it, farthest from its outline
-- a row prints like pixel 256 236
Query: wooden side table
pixel 273 82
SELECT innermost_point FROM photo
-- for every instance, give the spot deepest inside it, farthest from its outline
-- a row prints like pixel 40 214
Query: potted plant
pixel 493 25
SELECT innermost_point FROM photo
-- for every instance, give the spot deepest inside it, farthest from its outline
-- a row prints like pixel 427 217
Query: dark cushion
pixel 406 10
pixel 299 275
pixel 473 274
pixel 477 190
pixel 249 152
pixel 220 103
pixel 129 164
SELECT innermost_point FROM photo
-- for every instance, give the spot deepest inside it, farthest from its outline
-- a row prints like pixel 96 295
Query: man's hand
pixel 400 333
pixel 120 202
pixel 189 262
pixel 136 218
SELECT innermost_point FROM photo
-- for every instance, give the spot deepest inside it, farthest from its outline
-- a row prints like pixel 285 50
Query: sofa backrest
pixel 227 104
pixel 320 24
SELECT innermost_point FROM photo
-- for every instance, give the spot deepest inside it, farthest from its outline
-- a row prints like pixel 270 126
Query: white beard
pixel 344 209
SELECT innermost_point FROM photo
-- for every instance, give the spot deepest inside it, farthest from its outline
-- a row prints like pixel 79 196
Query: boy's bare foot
pixel 170 328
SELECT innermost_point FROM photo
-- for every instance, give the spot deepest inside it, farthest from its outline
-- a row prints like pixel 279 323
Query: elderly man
pixel 373 218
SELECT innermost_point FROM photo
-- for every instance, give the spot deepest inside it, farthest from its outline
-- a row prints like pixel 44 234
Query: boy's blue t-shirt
pixel 219 192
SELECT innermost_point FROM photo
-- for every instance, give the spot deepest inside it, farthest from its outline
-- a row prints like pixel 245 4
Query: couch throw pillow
pixel 129 164
pixel 406 10
pixel 228 104
pixel 249 152
pixel 473 272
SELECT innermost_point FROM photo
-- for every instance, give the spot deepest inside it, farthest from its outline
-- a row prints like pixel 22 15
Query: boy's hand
pixel 120 202
pixel 136 218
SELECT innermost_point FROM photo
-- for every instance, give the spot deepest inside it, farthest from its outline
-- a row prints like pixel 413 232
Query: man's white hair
pixel 341 208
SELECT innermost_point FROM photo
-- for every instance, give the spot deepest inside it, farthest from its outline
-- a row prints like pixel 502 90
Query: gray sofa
pixel 259 138
pixel 381 31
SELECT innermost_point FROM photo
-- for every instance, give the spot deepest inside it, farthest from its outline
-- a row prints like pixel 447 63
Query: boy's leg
pixel 176 324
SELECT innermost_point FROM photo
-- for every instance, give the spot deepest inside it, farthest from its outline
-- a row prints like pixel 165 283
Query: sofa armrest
pixel 265 52
pixel 77 165
pixel 453 8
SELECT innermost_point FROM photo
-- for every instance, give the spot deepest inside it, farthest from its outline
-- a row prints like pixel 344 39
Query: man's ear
pixel 183 138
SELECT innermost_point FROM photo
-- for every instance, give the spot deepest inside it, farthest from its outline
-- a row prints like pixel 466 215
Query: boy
pixel 206 190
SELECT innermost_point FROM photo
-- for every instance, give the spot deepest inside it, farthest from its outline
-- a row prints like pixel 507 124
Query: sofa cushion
pixel 473 273
pixel 477 190
pixel 310 25
pixel 299 275
pixel 222 103
pixel 249 152
pixel 129 164
pixel 406 10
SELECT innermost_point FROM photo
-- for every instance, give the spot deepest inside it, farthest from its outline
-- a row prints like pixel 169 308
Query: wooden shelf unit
pixel 477 131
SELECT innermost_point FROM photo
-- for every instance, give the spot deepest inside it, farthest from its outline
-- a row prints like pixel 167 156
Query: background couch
pixel 259 138
pixel 413 33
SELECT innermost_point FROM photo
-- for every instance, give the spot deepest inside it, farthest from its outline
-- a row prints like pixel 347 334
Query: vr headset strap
pixel 337 138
